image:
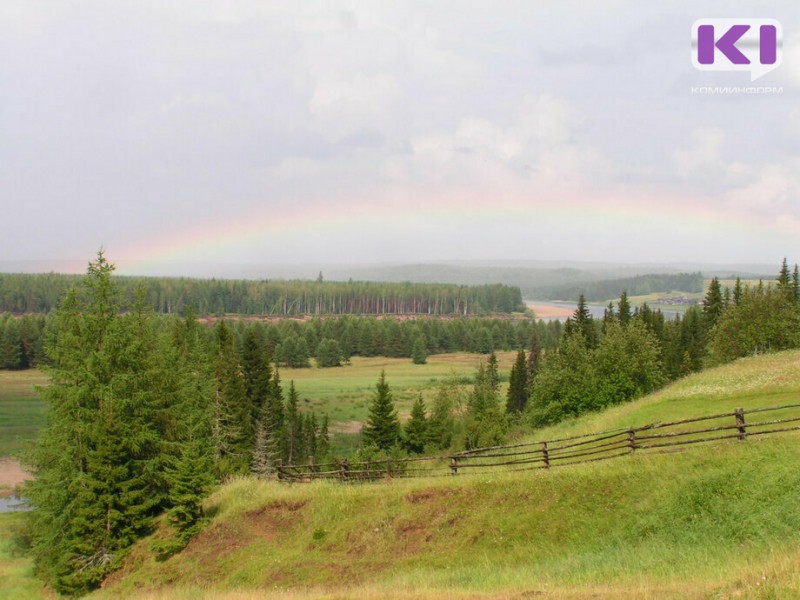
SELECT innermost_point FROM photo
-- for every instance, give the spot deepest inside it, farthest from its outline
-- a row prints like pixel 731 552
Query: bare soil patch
pixel 274 519
pixel 349 427
pixel 11 475
pixel 544 311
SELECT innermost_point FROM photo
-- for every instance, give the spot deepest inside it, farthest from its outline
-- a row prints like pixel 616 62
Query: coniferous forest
pixel 25 293
pixel 147 412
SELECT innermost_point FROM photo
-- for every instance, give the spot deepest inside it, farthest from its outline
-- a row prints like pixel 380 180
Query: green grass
pixel 16 572
pixel 719 521
pixel 21 409
pixel 344 393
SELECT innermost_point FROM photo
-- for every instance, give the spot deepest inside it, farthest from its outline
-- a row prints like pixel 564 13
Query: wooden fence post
pixel 454 465
pixel 279 469
pixel 740 423
pixel 311 468
pixel 631 439
pixel 389 467
pixel 545 455
pixel 344 469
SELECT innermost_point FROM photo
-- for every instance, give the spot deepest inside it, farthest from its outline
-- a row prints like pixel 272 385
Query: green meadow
pixel 715 521
pixel 21 409
pixel 344 393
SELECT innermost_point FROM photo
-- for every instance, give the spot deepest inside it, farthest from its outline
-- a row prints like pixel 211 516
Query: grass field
pixel 344 393
pixel 21 410
pixel 721 521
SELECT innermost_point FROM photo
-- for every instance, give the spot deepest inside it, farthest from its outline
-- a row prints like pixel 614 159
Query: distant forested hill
pixel 26 293
pixel 601 291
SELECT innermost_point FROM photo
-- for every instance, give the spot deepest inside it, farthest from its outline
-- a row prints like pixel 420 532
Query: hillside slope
pixel 714 521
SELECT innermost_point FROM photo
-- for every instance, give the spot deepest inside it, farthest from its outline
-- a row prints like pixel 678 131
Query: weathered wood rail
pixel 670 436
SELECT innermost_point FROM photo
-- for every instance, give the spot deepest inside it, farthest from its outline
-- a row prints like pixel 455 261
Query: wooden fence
pixel 655 438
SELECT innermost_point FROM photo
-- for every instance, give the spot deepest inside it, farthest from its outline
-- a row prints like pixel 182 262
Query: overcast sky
pixel 333 132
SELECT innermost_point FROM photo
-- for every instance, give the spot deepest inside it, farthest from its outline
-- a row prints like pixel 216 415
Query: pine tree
pixel 784 278
pixel 737 292
pixel 416 429
pixel 233 433
pixel 293 426
pixel 442 419
pixel 533 359
pixel 492 373
pixel 323 442
pixel 382 428
pixel 484 423
pixel 517 396
pixel 329 353
pixel 712 304
pixel 93 490
pixel 257 372
pixel 624 308
pixel 419 355
pixel 796 284
pixel 583 321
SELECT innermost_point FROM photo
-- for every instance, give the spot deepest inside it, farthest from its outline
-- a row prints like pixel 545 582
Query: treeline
pixel 24 293
pixel 332 341
pixel 629 353
pixel 21 341
pixel 640 285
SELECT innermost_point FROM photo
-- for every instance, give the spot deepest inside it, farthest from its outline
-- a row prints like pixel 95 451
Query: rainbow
pixel 627 207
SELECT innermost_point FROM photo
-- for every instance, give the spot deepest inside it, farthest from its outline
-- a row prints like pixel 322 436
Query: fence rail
pixel 545 454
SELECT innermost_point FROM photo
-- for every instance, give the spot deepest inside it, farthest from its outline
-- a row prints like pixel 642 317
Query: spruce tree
pixel 323 442
pixel 492 372
pixel 737 292
pixel 94 492
pixel 517 395
pixel 784 278
pixel 712 305
pixel 233 431
pixel 382 428
pixel 416 429
pixel 533 358
pixel 293 426
pixel 624 308
pixel 583 321
pixel 484 423
pixel 419 354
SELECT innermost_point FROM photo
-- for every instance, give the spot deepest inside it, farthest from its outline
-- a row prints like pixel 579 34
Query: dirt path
pixel 11 475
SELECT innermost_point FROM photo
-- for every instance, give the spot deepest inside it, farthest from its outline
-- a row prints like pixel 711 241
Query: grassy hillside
pixel 715 522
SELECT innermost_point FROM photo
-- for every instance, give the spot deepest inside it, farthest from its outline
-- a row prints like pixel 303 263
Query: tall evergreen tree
pixel 533 358
pixel 492 372
pixel 233 431
pixel 293 426
pixel 93 490
pixel 712 305
pixel 624 308
pixel 517 396
pixel 737 292
pixel 784 278
pixel 484 423
pixel 583 321
pixel 382 428
pixel 416 429
pixel 419 355
pixel 323 442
